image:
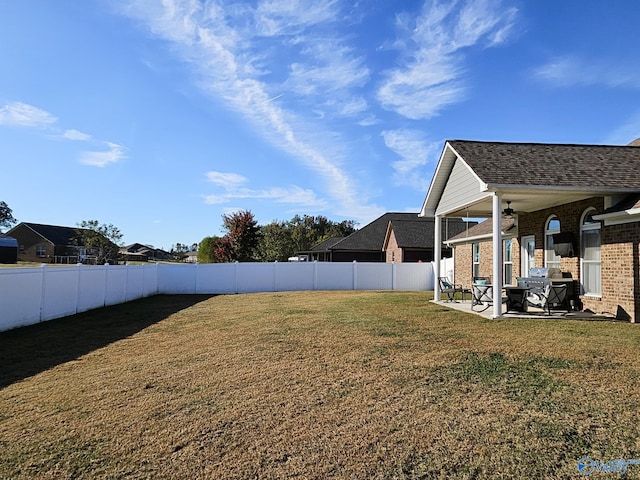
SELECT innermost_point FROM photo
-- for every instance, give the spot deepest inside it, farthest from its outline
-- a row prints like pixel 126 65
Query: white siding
pixel 462 188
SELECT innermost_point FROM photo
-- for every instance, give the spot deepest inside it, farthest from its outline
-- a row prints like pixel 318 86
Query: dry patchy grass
pixel 345 385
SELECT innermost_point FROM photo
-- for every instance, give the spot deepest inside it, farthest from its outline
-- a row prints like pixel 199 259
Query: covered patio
pixel 496 180
pixel 533 313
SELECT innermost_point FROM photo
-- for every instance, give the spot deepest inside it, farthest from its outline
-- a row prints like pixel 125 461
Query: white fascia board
pixel 496 187
pixel 480 238
pixel 618 218
pixel 430 211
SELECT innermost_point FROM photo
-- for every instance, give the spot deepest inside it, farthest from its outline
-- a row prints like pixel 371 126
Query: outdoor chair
pixel 450 289
pixel 482 297
pixel 551 295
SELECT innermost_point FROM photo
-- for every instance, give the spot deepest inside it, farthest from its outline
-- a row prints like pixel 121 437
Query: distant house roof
pixel 418 233
pixel 484 230
pixel 326 245
pixel 55 234
pixel 372 235
pixel 409 226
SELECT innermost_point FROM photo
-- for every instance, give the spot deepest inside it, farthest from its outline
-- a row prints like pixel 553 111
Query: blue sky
pixel 160 116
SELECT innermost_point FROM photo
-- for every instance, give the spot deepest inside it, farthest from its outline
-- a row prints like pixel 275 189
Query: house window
pixel 590 254
pixel 476 260
pixel 551 260
pixel 41 251
pixel 507 253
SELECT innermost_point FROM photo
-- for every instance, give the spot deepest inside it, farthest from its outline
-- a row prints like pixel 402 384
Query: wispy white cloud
pixel 568 71
pixel 434 76
pixel 415 152
pixel 226 180
pixel 18 114
pixel 329 68
pixel 232 62
pixel 293 195
pixel 114 154
pixel 232 184
pixel 76 135
pixel 287 17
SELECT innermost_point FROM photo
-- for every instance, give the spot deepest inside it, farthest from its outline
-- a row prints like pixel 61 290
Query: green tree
pixel 275 243
pixel 206 250
pixel 103 239
pixel 308 230
pixel 6 216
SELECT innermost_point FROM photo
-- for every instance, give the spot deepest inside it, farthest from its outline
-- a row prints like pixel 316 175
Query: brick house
pixel 585 196
pixel 394 236
pixel 50 244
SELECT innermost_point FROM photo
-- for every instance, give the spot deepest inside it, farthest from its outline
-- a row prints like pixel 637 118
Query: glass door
pixel 528 254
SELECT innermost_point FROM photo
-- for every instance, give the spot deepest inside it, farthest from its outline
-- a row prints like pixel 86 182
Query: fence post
pixel 315 275
pixel 354 272
pixel 275 276
pixel 106 283
pixel 78 285
pixel 393 276
pixel 235 274
pixel 44 287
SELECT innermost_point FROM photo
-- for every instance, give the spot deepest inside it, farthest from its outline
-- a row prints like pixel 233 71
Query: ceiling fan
pixel 508 212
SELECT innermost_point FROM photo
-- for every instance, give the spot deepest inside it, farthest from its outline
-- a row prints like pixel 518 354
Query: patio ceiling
pixel 522 201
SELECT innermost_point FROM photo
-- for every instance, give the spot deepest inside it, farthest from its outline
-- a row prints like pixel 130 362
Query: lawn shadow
pixel 27 351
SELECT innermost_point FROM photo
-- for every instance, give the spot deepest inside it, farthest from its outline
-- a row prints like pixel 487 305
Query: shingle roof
pixel 326 244
pixel 56 234
pixel 558 165
pixel 420 233
pixel 371 237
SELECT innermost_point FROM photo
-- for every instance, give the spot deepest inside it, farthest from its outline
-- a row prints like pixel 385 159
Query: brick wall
pixel 620 257
pixel 463 261
pixel 394 253
pixel 620 267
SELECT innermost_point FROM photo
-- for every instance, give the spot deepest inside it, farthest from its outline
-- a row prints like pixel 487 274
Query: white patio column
pixel 497 256
pixel 437 256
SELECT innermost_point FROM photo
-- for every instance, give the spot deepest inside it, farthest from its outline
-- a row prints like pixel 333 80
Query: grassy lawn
pixel 346 385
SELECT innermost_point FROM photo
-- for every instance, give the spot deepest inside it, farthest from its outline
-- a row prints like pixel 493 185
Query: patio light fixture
pixel 508 212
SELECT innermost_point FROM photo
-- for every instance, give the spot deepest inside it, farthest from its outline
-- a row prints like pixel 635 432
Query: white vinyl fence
pixel 32 295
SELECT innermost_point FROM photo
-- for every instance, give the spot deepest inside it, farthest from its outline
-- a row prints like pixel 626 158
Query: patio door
pixel 528 254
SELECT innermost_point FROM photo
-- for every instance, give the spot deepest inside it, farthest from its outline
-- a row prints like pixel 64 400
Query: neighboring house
pixel 50 244
pixel 412 240
pixel 572 207
pixel 322 252
pixel 191 257
pixel 369 243
pixel 138 252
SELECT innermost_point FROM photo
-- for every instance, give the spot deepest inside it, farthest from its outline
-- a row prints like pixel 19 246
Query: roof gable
pixel 55 234
pixel 532 175
pixel 372 235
